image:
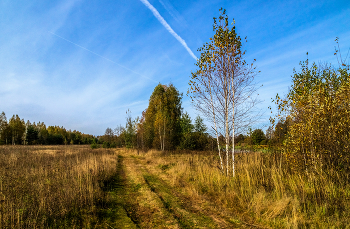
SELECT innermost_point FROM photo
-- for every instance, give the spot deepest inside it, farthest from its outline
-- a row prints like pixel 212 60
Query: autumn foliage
pixel 318 105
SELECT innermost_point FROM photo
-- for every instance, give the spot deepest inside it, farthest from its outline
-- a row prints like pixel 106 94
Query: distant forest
pixel 18 132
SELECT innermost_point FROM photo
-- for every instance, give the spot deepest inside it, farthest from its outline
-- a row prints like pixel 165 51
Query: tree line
pixel 16 131
pixel 274 136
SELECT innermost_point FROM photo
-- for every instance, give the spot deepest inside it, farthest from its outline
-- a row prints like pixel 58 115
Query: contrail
pixel 103 57
pixel 167 26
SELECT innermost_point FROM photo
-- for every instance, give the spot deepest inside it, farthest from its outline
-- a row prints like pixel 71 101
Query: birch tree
pixel 161 124
pixel 222 88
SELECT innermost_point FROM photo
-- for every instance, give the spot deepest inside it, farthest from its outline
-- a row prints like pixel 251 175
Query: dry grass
pixel 65 186
pixel 263 191
pixel 51 186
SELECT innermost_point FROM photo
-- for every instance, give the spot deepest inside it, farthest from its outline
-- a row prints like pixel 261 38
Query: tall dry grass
pixel 263 189
pixel 54 186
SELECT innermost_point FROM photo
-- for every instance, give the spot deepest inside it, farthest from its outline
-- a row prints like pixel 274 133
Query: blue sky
pixel 82 64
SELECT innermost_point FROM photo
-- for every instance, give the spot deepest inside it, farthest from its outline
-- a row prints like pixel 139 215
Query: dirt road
pixel 143 196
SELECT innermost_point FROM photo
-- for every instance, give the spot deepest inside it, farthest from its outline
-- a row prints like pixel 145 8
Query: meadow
pixel 77 187
pixel 52 186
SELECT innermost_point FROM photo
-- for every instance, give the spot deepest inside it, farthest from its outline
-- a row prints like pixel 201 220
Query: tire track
pixel 186 216
pixel 116 211
pixel 185 211
pixel 151 212
pixel 176 204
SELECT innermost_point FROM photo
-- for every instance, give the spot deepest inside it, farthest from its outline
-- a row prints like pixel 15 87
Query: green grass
pixel 116 211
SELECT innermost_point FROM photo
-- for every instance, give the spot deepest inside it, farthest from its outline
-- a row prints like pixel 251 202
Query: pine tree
pixel 199 125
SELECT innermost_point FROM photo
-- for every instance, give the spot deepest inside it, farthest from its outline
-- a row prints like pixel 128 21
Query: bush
pixel 94 145
pixel 319 105
pixel 106 145
pixel 194 141
pixel 258 136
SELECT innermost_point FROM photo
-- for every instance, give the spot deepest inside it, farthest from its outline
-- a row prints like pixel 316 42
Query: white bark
pixel 227 136
pixel 160 139
pixel 163 134
pixel 233 128
pixel 216 131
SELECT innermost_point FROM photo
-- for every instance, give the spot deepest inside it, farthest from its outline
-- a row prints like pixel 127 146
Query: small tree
pixel 94 144
pixel 109 135
pixel 3 126
pixel 32 135
pixel 119 134
pixel 130 131
pixel 258 136
pixel 199 125
pixel 186 123
pixel 17 128
pixel 239 139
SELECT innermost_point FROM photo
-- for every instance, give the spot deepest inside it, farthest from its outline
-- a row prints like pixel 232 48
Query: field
pixel 77 187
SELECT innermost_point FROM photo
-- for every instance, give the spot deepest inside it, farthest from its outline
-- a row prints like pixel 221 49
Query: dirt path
pixel 141 198
pixel 116 213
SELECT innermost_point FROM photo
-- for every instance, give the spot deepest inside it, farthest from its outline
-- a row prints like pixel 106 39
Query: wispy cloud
pixel 167 27
pixel 173 12
pixel 103 57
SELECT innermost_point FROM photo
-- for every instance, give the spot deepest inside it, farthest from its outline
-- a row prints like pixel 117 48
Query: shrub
pixel 113 145
pixel 94 145
pixel 318 104
pixel 106 145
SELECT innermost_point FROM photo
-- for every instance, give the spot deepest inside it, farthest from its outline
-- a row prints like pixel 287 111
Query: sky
pixel 82 64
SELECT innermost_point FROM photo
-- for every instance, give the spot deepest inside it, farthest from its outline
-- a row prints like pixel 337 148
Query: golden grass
pixel 262 192
pixel 61 186
pixel 48 186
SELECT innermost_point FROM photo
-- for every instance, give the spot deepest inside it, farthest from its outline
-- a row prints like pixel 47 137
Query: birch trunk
pixel 233 128
pixel 163 134
pixel 160 139
pixel 216 131
pixel 227 136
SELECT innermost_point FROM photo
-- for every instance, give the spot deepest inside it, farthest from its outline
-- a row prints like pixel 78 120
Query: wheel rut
pixel 151 202
pixel 173 202
pixel 117 211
